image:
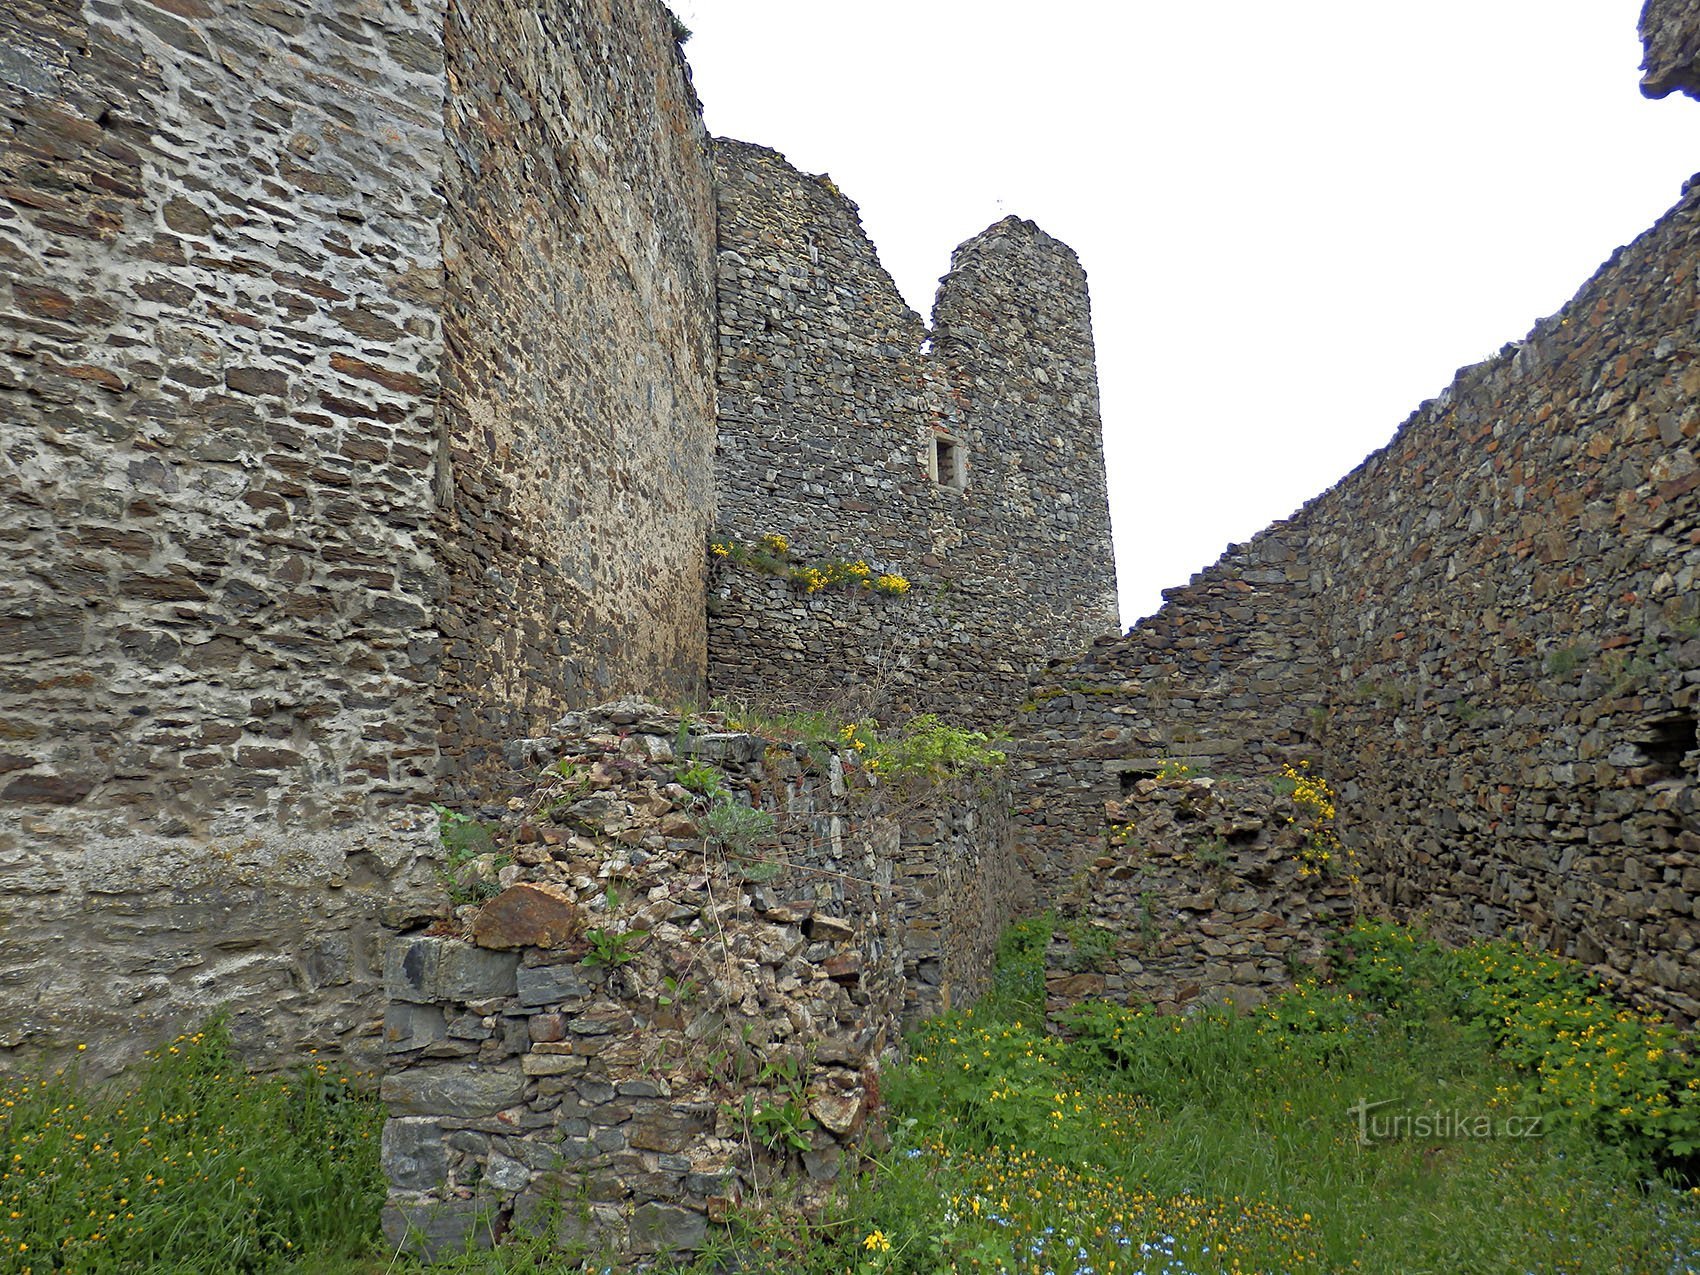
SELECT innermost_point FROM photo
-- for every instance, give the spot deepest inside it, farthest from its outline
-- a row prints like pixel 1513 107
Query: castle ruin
pixel 376 376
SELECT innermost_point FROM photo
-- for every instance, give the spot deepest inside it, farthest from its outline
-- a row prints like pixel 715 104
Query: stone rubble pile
pixel 647 1022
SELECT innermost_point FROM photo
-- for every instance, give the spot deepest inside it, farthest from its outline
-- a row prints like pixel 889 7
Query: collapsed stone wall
pixel 578 404
pixel 654 1020
pixel 833 399
pixel 307 325
pixel 1208 890
pixel 1487 635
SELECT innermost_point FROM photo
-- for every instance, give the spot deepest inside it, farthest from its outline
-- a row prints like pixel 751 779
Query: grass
pixel 1230 1143
pixel 190 1165
pixel 1557 1142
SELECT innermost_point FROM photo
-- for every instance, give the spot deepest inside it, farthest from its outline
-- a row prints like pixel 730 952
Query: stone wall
pixel 358 414
pixel 578 402
pixel 831 396
pixel 1488 637
pixel 1670 36
pixel 219 368
pixel 653 1020
pixel 1208 891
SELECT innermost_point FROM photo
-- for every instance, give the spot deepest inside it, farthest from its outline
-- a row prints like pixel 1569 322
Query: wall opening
pixel 1667 742
pixel 947 463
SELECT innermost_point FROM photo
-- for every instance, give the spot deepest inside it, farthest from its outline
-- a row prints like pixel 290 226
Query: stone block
pixel 413 1155
pixel 456 1090
pixel 431 1229
pixel 551 985
pixel 668 1126
pixel 410 1026
pixel 667 1228
pixel 424 969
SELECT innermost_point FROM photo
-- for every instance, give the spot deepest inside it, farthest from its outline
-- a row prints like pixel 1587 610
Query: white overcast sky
pixel 1298 219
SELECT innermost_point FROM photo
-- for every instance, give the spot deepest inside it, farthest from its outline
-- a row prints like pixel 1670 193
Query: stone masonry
pixel 654 1021
pixel 356 374
pixel 838 408
pixel 1487 636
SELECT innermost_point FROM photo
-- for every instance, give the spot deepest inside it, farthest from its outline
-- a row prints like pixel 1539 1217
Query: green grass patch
pixel 187 1164
pixel 1404 1119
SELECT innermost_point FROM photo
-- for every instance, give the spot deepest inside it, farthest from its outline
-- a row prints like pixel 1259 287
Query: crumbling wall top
pixel 1670 36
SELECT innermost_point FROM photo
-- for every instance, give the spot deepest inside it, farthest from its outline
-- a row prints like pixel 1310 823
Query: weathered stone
pixel 429 1228
pixel 413 1154
pixel 828 929
pixel 840 1110
pixel 529 914
pixel 551 985
pixel 667 1228
pixel 668 1127
pixel 846 967
pixel 426 969
pixel 455 1090
pixel 412 1026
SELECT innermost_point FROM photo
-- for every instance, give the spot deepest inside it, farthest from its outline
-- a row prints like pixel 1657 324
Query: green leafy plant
pixel 610 948
pixel 471 860
pixel 778 1126
pixel 704 780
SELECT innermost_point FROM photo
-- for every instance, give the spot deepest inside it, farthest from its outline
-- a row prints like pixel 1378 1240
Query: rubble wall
pixel 652 1020
pixel 1206 891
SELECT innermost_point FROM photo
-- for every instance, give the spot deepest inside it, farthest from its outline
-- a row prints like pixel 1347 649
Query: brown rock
pixel 679 827
pixel 828 929
pixel 529 915
pixel 55 790
pixel 1076 985
pixel 844 968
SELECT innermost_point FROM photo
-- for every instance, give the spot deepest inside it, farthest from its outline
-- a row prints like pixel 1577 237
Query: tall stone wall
pixel 1488 637
pixel 831 394
pixel 219 368
pixel 351 389
pixel 578 412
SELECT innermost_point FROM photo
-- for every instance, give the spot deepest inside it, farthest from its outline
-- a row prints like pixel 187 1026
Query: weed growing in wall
pixel 704 780
pixel 1172 770
pixel 928 751
pixel 737 827
pixel 472 864
pixel 771 555
pixel 608 948
pixel 1322 853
